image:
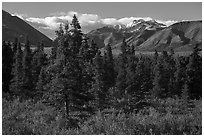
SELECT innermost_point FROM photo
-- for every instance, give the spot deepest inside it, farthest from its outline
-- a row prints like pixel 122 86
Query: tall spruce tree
pixel 65 90
pixel 27 75
pixel 76 35
pixel 7 62
pixel 17 71
pixel 93 49
pixel 194 74
pixel 109 67
pixel 179 76
pixel 39 60
pixel 158 88
pixel 99 87
pixel 120 80
pixel 40 84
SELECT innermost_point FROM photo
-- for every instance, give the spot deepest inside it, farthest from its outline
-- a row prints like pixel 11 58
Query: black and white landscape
pixel 101 68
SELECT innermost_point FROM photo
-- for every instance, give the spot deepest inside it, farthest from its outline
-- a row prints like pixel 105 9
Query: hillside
pixel 13 27
pixel 150 35
pixel 114 34
pixel 179 36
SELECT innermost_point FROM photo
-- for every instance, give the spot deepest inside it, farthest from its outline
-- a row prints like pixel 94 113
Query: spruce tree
pixel 179 76
pixel 99 87
pixel 185 97
pixel 15 45
pixel 194 74
pixel 27 75
pixel 76 35
pixel 158 87
pixel 131 74
pixel 155 57
pixel 84 50
pixel 93 49
pixel 124 47
pixel 40 84
pixel 17 71
pixel 65 89
pixel 7 62
pixel 109 67
pixel 120 80
pixel 39 60
pixel 131 83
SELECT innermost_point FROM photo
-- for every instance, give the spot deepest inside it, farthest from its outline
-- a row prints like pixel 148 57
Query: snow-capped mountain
pixel 138 25
pixel 115 33
pixel 149 35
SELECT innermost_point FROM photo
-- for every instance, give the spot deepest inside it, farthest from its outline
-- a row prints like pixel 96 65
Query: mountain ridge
pixel 180 36
pixel 13 26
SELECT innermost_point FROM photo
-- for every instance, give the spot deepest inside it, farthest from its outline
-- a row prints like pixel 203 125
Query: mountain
pixel 180 36
pixel 13 27
pixel 150 35
pixel 107 34
pixel 114 34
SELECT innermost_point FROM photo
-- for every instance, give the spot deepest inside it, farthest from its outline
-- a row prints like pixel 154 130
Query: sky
pixel 46 16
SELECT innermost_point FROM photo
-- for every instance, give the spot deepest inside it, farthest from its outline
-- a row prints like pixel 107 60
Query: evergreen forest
pixel 80 90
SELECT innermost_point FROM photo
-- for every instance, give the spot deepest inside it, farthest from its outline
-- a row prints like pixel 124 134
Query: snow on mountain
pixel 138 25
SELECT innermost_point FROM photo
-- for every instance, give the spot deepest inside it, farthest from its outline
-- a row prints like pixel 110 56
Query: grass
pixel 169 116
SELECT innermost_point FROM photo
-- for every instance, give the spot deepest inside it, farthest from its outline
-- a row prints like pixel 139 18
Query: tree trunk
pixel 67 106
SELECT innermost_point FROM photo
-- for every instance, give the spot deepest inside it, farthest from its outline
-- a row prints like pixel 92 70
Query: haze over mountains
pixel 143 35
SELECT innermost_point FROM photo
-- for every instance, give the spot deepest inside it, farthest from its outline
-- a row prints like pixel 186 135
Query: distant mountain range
pixel 143 35
pixel 14 27
pixel 150 35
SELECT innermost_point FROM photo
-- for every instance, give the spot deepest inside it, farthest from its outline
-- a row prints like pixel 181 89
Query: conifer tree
pixel 99 87
pixel 93 49
pixel 38 61
pixel 185 96
pixel 76 35
pixel 179 76
pixel 16 85
pixel 124 47
pixel 155 57
pixel 131 75
pixel 194 74
pixel 185 93
pixel 84 50
pixel 121 81
pixel 27 75
pixel 168 64
pixel 66 87
pixel 158 87
pixel 40 84
pixel 15 45
pixel 109 67
pixel 7 62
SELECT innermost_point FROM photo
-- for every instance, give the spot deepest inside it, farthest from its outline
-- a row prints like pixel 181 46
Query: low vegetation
pixel 170 117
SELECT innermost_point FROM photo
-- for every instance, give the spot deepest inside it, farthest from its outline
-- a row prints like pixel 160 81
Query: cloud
pixel 167 23
pixel 20 15
pixel 47 23
pixel 52 22
pixel 87 21
pixel 109 21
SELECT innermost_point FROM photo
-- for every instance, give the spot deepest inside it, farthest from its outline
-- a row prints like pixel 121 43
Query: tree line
pixel 79 81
